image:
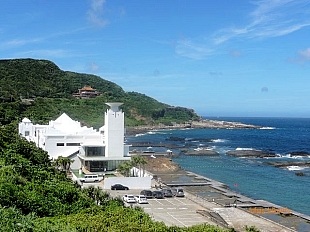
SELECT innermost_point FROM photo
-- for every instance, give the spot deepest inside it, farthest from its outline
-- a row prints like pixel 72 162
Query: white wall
pixel 130 182
pixel 76 163
pixel 114 133
pixel 54 151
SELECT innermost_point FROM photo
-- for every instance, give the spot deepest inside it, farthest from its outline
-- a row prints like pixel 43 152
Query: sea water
pixel 251 177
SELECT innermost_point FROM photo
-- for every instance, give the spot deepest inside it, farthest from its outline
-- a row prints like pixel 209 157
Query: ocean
pixel 251 177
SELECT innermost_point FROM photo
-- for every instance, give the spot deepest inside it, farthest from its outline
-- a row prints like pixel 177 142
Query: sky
pixel 221 58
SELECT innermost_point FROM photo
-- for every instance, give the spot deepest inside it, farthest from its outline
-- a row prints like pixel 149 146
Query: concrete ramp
pixel 214 216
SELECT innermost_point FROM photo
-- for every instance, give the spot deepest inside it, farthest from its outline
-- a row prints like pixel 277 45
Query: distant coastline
pixel 203 124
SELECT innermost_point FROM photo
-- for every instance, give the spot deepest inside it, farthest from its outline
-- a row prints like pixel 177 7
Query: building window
pixel 73 144
pixel 60 144
pixel 94 151
pixel 27 133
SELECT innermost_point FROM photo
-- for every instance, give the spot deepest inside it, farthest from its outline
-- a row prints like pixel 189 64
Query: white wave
pixel 244 149
pixel 267 128
pixel 137 135
pixel 211 148
pixel 186 129
pixel 278 156
pixel 293 157
pixel 297 157
pixel 218 140
pixel 286 156
pixel 294 168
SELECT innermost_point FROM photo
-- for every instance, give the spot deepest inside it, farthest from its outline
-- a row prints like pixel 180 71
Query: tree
pixel 140 161
pixel 96 193
pixel 63 162
pixel 124 168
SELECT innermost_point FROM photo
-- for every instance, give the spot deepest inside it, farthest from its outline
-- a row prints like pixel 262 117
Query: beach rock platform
pixel 251 153
pixel 298 153
pixel 285 164
pixel 201 152
pixel 206 123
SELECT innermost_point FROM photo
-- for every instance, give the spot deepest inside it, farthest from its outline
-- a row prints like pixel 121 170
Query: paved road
pixel 182 212
pixel 172 211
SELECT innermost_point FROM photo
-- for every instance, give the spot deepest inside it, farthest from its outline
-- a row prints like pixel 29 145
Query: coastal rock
pixel 298 153
pixel 202 152
pixel 206 123
pixel 173 138
pixel 178 139
pixel 300 174
pixel 221 124
pixel 285 164
pixel 251 153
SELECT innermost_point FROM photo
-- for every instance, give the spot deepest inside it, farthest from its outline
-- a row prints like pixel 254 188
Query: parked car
pixel 129 198
pixel 167 193
pixel 177 192
pixel 158 194
pixel 90 178
pixel 119 187
pixel 141 199
pixel 147 193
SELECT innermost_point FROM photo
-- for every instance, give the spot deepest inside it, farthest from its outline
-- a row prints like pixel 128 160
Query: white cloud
pixel 235 53
pixel 94 67
pixel 302 57
pixel 96 13
pixel 271 18
pixel 20 42
pixel 305 54
pixel 192 50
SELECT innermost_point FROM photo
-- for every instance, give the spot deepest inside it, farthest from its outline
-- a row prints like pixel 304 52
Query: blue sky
pixel 220 58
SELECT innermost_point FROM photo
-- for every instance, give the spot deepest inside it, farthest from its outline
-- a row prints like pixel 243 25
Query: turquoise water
pixel 251 177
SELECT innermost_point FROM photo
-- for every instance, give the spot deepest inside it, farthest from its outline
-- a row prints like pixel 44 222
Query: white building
pixel 94 150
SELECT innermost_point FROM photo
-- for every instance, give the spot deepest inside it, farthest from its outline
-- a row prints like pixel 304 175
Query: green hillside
pixel 41 91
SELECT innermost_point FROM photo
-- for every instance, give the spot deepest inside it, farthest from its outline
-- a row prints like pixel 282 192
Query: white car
pixel 129 198
pixel 90 178
pixel 141 199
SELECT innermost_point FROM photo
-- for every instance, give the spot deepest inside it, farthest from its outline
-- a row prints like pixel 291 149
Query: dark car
pixel 167 193
pixel 158 194
pixel 119 187
pixel 147 193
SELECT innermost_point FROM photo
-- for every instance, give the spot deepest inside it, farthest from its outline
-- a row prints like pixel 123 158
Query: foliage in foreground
pixel 36 196
pixel 112 219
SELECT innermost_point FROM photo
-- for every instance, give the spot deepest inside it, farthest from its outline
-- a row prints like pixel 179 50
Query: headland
pixel 205 123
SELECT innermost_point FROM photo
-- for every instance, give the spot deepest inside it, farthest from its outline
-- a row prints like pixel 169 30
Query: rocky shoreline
pixel 202 124
pixel 251 154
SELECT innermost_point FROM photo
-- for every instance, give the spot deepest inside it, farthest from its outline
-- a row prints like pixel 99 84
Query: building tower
pixel 114 131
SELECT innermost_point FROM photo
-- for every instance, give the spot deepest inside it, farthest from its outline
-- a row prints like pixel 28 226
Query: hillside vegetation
pixel 35 193
pixel 39 90
pixel 37 196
